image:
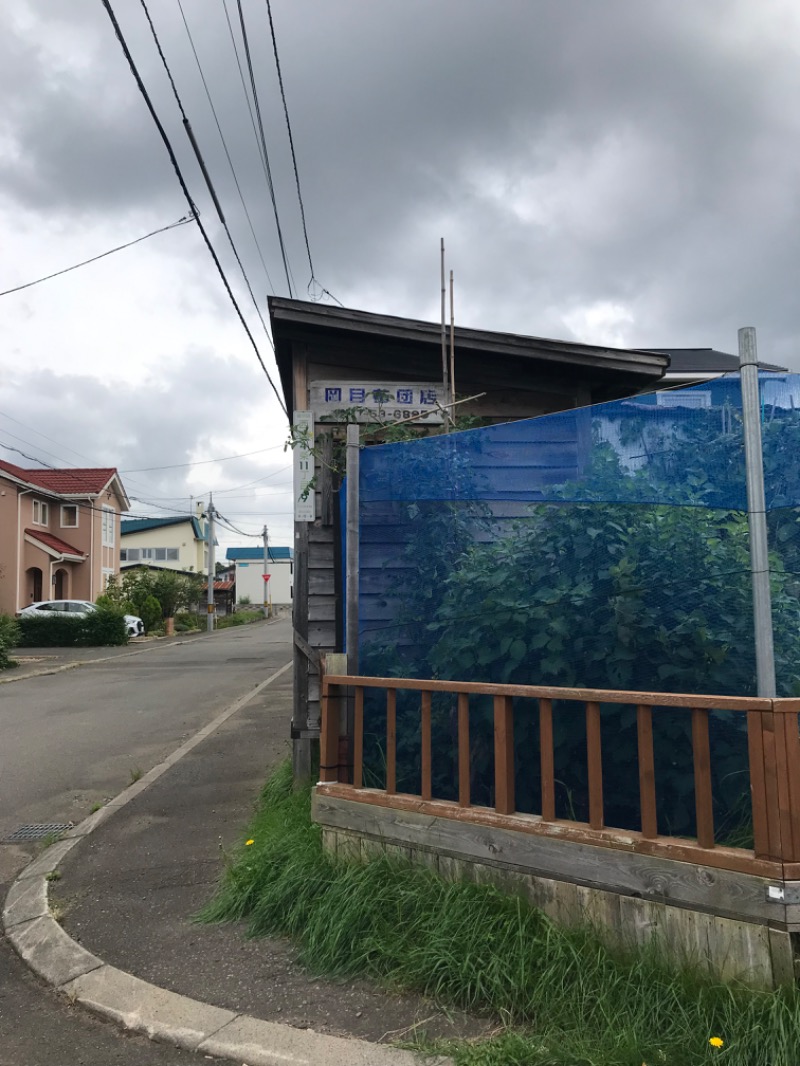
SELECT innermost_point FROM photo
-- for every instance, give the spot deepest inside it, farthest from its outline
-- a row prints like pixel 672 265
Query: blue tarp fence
pixel 603 547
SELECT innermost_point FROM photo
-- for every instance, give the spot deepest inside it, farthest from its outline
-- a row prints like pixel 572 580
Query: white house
pixel 249 563
pixel 177 543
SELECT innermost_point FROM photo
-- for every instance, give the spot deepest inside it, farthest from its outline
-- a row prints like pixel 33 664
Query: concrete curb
pixel 141 1007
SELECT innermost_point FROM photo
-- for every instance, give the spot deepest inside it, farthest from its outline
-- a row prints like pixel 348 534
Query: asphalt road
pixel 73 739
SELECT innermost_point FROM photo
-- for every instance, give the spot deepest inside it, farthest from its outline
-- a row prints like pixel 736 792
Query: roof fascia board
pixel 546 349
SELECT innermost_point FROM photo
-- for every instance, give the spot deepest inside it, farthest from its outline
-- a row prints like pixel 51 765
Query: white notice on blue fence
pixel 373 401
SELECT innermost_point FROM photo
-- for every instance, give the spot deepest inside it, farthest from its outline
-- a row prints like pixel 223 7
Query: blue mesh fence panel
pixel 603 547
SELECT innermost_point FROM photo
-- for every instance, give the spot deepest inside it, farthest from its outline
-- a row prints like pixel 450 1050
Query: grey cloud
pixel 197 400
pixel 643 152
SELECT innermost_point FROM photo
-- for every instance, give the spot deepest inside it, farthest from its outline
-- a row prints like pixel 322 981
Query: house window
pixel 108 573
pixel 41 513
pixel 109 522
pixel 69 516
pixel 172 555
pixel 130 555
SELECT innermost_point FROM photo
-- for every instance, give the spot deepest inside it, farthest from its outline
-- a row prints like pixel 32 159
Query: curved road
pixel 73 739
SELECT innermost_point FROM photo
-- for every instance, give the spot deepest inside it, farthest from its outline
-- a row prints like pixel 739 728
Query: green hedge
pixel 9 638
pixel 104 627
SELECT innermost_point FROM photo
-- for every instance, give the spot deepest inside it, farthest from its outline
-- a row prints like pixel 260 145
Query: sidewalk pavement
pixel 126 882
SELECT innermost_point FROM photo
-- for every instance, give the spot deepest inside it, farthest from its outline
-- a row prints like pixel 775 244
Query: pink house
pixel 59 533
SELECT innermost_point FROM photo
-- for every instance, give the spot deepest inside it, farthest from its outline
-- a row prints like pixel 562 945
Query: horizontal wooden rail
pixel 580 695
pixel 773 734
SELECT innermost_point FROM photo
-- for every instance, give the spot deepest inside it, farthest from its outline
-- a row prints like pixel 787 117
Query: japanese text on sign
pixel 360 401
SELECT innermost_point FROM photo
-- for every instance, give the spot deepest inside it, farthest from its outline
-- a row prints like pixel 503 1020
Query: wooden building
pixel 334 362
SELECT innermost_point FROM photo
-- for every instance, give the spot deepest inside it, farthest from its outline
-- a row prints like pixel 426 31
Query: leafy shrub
pixel 102 628
pixel 151 613
pixel 245 601
pixel 9 638
pixel 186 621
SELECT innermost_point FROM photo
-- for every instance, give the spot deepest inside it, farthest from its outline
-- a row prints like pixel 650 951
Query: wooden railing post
pixel 647 771
pixel 425 744
pixel 464 766
pixel 703 800
pixel 358 739
pixel 791 723
pixel 766 828
pixel 329 735
pixel 594 755
pixel 504 755
pixel 546 760
pixel 788 779
pixel 391 741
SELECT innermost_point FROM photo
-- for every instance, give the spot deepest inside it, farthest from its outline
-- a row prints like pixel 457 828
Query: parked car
pixel 66 608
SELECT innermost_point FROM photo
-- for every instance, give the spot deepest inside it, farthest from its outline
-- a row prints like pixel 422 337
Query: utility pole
pixel 757 513
pixel 265 534
pixel 211 564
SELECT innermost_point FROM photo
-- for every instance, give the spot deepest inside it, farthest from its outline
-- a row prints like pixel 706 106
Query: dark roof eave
pixel 286 313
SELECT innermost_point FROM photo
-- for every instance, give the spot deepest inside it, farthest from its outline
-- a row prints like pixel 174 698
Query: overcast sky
pixel 617 171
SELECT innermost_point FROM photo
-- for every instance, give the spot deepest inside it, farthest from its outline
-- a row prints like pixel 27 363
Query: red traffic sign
pixel 266 576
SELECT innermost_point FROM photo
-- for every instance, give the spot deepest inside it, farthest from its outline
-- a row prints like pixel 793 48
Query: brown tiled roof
pixel 54 542
pixel 66 482
pixel 221 586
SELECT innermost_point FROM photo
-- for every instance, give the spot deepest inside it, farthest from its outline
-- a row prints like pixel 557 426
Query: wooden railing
pixel 773 735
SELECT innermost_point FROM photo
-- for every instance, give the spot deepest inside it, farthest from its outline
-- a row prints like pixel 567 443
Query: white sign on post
pixel 377 401
pixel 303 425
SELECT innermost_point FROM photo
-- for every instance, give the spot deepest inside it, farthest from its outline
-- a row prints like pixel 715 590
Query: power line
pixel 224 144
pixel 33 459
pixel 176 167
pixel 200 462
pixel 244 89
pixel 209 185
pixel 85 262
pixel 291 138
pixel 260 123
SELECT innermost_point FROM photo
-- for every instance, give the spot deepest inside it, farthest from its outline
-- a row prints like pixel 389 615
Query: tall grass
pixel 566 999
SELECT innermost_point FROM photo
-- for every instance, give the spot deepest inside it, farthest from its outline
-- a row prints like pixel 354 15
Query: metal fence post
pixel 757 513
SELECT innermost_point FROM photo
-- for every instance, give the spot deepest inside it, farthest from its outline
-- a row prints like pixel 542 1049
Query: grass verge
pixel 566 999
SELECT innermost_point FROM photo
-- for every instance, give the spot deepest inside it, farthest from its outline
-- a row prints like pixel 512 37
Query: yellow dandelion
pixel 247 843
pixel 716 1041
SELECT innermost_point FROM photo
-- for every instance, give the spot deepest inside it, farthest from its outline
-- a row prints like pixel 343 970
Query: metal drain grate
pixel 38 832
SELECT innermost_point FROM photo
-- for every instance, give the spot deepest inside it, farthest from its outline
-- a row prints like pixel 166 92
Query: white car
pixel 67 608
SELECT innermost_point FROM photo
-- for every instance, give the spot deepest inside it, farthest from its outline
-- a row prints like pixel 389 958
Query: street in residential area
pixel 76 738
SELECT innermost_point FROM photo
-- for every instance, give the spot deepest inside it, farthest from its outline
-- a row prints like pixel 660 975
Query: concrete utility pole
pixel 265 534
pixel 352 548
pixel 211 564
pixel 757 513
